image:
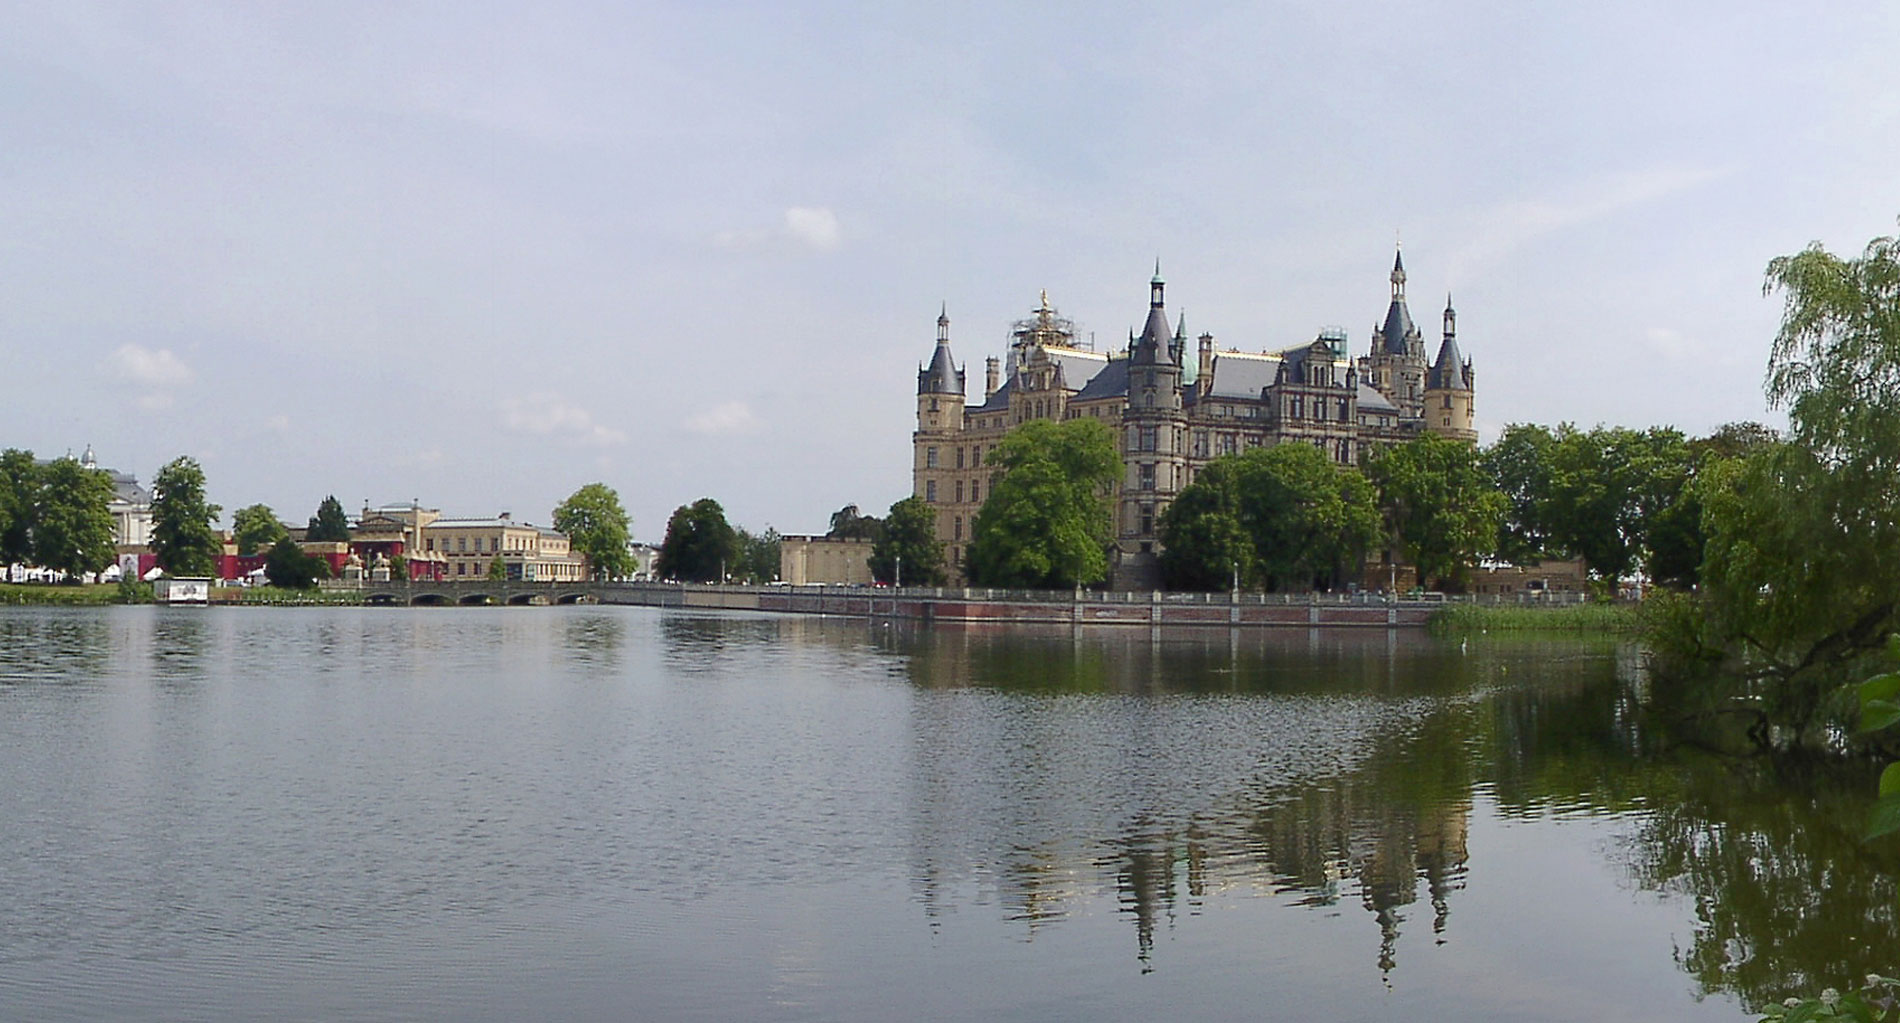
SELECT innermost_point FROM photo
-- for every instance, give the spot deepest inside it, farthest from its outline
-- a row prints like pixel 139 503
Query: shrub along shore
pixel 1469 618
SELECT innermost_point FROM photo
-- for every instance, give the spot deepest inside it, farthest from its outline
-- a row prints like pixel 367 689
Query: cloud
pixel 813 227
pixel 278 423
pixel 157 371
pixel 1508 226
pixel 545 414
pixel 723 419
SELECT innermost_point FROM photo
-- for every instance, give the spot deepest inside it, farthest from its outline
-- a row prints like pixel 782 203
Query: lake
pixel 585 813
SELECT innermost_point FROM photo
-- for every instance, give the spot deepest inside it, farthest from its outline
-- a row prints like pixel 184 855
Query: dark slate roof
pixel 1448 372
pixel 1111 382
pixel 1371 400
pixel 1152 347
pixel 1242 376
pixel 942 376
pixel 1398 326
pixel 1078 368
pixel 999 402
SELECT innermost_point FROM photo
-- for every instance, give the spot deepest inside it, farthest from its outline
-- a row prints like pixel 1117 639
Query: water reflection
pixel 1375 812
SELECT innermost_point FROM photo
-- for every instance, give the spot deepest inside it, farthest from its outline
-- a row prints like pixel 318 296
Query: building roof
pixel 1111 382
pixel 1370 400
pixel 1243 374
pixel 1448 371
pixel 941 376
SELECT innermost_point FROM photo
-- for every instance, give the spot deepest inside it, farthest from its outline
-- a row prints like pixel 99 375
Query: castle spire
pixel 1155 286
pixel 1451 317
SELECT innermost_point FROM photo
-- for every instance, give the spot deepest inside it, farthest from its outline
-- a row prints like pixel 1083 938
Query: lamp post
pixel 897 579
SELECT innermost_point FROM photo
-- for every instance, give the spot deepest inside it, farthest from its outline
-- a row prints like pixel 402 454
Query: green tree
pixel 329 524
pixel 699 543
pixel 1800 576
pixel 289 567
pixel 758 556
pixel 908 537
pixel 1310 518
pixel 72 529
pixel 256 528
pixel 19 490
pixel 1205 545
pixel 847 524
pixel 1440 504
pixel 182 536
pixel 497 570
pixel 1046 522
pixel 1519 465
pixel 597 528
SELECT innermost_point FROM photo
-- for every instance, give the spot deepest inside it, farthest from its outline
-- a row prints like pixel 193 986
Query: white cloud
pixel 545 414
pixel 724 418
pixel 815 226
pixel 1509 225
pixel 152 368
pixel 157 371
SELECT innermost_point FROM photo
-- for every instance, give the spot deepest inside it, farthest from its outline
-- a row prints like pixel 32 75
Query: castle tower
pixel 934 446
pixel 1449 387
pixel 1154 441
pixel 1396 366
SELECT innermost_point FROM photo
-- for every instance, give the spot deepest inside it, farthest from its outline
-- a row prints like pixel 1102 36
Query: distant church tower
pixel 1448 387
pixel 1153 441
pixel 939 427
pixel 1396 365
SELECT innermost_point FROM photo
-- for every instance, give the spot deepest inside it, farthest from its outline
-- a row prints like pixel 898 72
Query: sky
pixel 478 255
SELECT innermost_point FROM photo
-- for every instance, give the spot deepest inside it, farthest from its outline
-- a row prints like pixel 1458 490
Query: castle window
pixel 959 458
pixel 959 491
pixel 959 527
pixel 933 404
pixel 976 456
pixel 1147 479
pixel 976 491
pixel 1200 443
pixel 1344 416
pixel 1147 518
pixel 930 491
pixel 1148 438
pixel 930 458
pixel 1447 401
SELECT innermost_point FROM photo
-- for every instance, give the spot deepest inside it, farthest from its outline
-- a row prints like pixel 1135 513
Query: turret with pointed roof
pixel 1448 407
pixel 1152 347
pixel 941 376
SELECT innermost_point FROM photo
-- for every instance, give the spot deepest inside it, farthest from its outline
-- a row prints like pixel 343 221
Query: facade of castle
pixel 1174 411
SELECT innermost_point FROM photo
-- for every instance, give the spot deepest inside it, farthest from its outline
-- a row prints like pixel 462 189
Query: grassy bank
pixel 1468 618
pixel 273 596
pixel 62 594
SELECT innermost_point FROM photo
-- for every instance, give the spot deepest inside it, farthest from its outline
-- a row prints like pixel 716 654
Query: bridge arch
pixel 430 600
pixel 476 599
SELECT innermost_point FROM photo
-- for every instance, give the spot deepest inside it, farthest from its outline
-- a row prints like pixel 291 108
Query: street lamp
pixel 897 579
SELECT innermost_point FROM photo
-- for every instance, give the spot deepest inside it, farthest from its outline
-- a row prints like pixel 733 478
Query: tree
pixel 1519 467
pixel 1204 544
pixel 847 524
pixel 757 556
pixel 597 529
pixel 1439 503
pixel 1047 522
pixel 699 544
pixel 72 528
pixel 497 570
pixel 1280 517
pixel 288 566
pixel 1800 576
pixel 182 536
pixel 19 489
pixel 256 528
pixel 907 538
pixel 329 524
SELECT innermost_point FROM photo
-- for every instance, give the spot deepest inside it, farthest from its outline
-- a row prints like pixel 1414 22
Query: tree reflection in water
pixel 1787 899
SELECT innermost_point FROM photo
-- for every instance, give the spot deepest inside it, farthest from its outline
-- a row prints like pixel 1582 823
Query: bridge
pixel 931 604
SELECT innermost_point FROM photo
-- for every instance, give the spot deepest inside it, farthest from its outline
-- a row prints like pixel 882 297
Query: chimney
pixel 1206 377
pixel 992 371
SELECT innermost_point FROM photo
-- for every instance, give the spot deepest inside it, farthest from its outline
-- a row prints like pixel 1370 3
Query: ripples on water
pixel 604 812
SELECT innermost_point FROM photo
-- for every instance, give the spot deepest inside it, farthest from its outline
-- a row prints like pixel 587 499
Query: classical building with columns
pixel 1174 411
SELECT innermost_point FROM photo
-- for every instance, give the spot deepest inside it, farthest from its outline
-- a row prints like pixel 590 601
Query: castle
pixel 1174 413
